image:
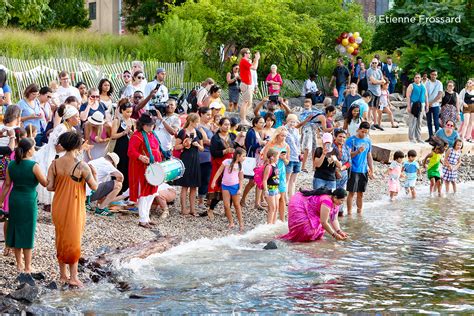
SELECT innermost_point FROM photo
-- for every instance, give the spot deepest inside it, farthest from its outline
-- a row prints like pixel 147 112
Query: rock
pixel 25 278
pixel 38 276
pixel 26 293
pixel 9 306
pixel 136 296
pixel 52 286
pixel 270 246
pixel 396 97
pixel 123 286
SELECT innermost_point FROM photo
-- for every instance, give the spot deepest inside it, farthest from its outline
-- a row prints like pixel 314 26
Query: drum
pixel 166 171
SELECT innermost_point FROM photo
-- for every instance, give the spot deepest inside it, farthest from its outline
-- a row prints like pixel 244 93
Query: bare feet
pixel 145 225
pixel 210 214
pixel 185 212
pixel 241 228
pixel 7 251
pixel 231 225
pixel 76 283
pixel 243 203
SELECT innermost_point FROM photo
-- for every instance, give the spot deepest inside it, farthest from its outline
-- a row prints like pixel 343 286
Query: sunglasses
pixel 140 77
pixel 374 63
pixel 94 96
pixel 449 125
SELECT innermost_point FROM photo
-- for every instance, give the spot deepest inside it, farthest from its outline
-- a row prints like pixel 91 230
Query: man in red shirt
pixel 246 85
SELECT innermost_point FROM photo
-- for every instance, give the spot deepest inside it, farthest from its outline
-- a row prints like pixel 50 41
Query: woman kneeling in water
pixel 310 213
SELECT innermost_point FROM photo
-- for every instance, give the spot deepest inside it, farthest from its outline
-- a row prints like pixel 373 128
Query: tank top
pixel 274 178
pixel 418 93
pixel 468 98
pixel 234 84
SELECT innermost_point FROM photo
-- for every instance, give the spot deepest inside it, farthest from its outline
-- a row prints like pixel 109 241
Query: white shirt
pixel 104 168
pixel 64 93
pixel 165 138
pixel 432 88
pixel 309 87
pixel 160 97
pixel 201 95
pixel 253 72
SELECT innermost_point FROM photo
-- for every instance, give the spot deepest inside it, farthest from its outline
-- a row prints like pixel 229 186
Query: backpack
pixel 258 176
pixel 191 99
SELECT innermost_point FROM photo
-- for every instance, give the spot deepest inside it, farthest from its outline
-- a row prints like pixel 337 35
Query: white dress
pixel 44 157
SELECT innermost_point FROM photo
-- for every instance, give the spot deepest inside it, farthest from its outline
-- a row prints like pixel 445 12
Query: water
pixel 406 257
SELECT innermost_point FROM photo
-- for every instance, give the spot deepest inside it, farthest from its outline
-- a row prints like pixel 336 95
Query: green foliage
pixel 28 14
pixel 68 14
pixel 141 15
pixel 295 35
pixel 455 36
pixel 424 58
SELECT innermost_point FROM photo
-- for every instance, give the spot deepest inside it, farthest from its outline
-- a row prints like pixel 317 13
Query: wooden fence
pixel 22 73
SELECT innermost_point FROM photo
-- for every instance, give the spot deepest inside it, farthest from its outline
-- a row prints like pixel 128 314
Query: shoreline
pixel 103 235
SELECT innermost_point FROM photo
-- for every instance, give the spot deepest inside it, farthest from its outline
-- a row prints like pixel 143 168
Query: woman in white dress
pixel 47 153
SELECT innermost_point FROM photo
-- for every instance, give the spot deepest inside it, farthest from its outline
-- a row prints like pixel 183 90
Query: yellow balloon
pixel 355 45
pixel 349 49
pixel 344 42
pixel 356 34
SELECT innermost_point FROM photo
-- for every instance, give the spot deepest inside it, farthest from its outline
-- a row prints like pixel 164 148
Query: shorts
pixel 233 189
pixel 410 183
pixel 394 185
pixel 273 190
pixel 247 92
pixel 328 184
pixel 434 177
pixel 357 182
pixel 308 139
pixel 103 190
pixel 469 108
pixel 293 167
pixel 374 102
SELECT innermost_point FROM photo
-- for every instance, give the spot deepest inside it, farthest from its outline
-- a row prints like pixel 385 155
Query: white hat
pixel 115 158
pixel 97 118
pixel 215 105
pixel 69 112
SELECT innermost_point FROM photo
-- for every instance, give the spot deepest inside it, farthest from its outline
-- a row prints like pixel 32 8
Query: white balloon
pixel 350 34
pixel 359 40
pixel 342 49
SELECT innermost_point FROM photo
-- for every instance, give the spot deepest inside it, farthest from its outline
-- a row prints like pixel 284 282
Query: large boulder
pixel 25 293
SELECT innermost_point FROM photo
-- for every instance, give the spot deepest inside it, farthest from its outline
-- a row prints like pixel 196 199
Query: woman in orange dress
pixel 67 177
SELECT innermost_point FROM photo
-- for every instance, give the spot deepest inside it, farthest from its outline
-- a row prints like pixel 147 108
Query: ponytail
pixel 24 146
pixel 338 193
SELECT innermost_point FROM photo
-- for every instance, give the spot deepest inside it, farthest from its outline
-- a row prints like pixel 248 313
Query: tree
pixel 28 14
pixel 140 15
pixel 68 14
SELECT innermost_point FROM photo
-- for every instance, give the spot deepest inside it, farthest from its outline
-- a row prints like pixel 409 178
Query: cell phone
pixel 273 98
pixel 157 86
pixel 153 112
pixel 282 152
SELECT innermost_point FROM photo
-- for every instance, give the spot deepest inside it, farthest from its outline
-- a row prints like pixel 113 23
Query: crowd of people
pixel 74 149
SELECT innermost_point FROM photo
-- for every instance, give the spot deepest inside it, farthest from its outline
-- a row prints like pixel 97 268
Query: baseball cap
pixel 327 138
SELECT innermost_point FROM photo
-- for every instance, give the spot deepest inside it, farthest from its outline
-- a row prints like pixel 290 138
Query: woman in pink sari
pixel 311 213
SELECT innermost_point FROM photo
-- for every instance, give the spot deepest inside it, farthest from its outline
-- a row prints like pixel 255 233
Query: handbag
pixel 248 165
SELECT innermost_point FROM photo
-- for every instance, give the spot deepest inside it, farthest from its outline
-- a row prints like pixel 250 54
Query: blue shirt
pixel 205 155
pixel 363 106
pixel 449 139
pixel 27 110
pixel 293 141
pixel 359 161
pixel 418 93
pixel 279 115
pixel 310 112
pixel 411 168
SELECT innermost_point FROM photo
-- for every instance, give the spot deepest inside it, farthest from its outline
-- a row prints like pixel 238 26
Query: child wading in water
pixel 232 179
pixel 394 172
pixel 434 163
pixel 271 180
pixel 412 171
pixel 452 162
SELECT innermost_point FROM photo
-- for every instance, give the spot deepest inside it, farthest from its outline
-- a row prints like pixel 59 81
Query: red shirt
pixel 245 75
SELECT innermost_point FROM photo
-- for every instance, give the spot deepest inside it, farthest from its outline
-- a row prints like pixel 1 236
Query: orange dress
pixel 69 215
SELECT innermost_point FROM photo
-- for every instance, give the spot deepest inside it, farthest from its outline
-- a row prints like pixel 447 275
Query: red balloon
pixel 352 39
pixel 355 52
pixel 344 35
pixel 338 40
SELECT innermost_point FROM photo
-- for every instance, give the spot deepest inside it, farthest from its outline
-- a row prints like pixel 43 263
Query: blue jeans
pixel 342 182
pixel 340 92
pixel 391 86
pixel 432 117
pixel 319 183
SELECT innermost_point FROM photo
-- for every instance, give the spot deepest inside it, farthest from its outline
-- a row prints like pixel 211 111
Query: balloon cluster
pixel 348 43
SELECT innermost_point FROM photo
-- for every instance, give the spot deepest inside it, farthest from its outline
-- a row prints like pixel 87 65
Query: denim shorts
pixel 319 183
pixel 293 167
pixel 273 190
pixel 233 189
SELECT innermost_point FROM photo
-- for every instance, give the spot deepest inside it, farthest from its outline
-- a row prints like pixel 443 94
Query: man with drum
pixel 110 182
pixel 167 127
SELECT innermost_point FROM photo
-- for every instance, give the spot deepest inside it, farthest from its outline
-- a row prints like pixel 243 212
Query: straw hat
pixel 97 118
pixel 114 157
